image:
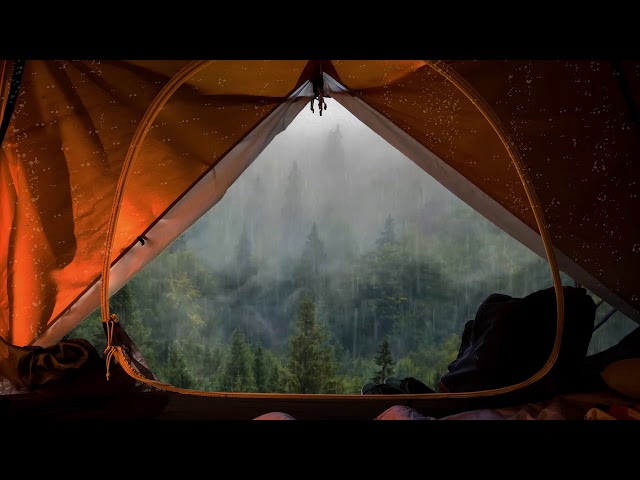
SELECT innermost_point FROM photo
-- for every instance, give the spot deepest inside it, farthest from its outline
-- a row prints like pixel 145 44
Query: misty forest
pixel 333 261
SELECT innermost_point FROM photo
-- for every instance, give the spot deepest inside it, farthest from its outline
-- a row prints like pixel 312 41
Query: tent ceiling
pixel 572 122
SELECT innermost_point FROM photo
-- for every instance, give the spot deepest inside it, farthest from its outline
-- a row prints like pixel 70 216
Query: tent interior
pixel 260 239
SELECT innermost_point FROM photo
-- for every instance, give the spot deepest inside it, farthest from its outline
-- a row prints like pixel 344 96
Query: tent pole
pixel 468 91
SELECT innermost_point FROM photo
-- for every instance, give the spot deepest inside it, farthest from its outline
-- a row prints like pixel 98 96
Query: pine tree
pixel 292 211
pixel 382 286
pixel 334 154
pixel 388 234
pixel 312 262
pixel 314 255
pixel 255 216
pixel 312 362
pixel 177 371
pixel 183 296
pixel 335 175
pixel 239 375
pixel 244 259
pixel 277 378
pixel 384 360
pixel 260 368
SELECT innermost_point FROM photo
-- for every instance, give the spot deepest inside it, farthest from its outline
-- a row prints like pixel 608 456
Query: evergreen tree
pixel 384 360
pixel 335 177
pixel 177 371
pixel 382 292
pixel 244 260
pixel 90 329
pixel 255 218
pixel 388 234
pixel 183 296
pixel 209 366
pixel 334 155
pixel 292 211
pixel 312 262
pixel 311 362
pixel 314 255
pixel 260 368
pixel 239 375
pixel 277 379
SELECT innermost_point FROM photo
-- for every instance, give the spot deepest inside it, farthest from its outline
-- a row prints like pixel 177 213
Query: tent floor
pixel 158 405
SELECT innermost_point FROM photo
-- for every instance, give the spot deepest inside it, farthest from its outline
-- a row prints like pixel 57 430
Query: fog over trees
pixel 330 248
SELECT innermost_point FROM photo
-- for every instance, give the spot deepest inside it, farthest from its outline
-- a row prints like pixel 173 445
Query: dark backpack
pixel 510 339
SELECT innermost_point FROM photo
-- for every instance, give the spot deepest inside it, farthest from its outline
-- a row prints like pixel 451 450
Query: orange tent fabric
pixel 573 123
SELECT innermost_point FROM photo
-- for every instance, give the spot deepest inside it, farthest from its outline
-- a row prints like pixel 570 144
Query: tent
pixel 105 163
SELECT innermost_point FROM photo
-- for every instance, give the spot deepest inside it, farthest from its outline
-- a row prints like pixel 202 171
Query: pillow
pixel 623 376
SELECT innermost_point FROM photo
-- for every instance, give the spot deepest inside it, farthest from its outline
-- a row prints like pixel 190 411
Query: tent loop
pixel 318 92
pixel 110 350
pixel 137 140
